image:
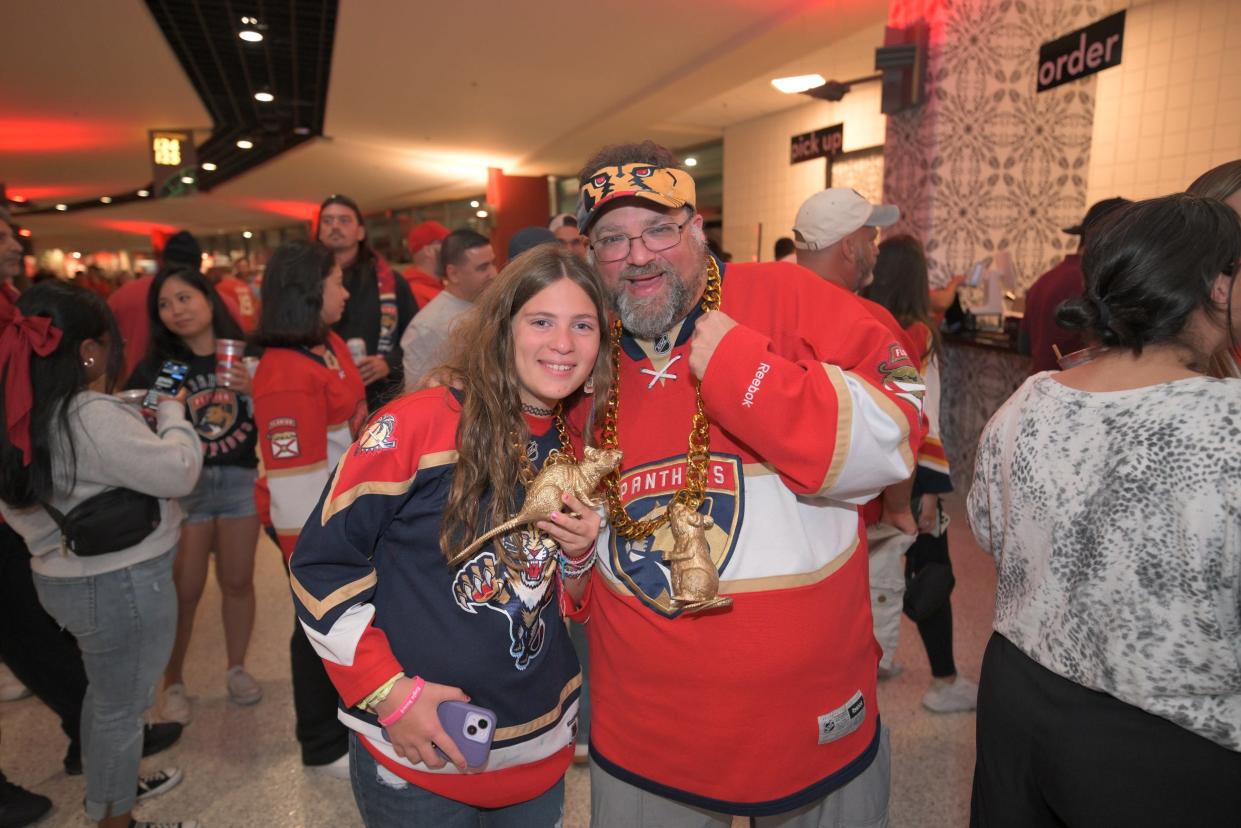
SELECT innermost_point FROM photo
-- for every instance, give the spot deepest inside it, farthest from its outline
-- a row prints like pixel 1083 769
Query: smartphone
pixel 471 727
pixel 171 377
pixel 976 272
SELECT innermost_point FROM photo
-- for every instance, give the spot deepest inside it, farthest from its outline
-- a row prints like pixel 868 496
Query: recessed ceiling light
pixel 250 35
pixel 691 161
pixel 105 200
pixel 143 193
pixel 481 214
pixel 247 235
pixel 798 83
pixel 474 204
pixel 208 166
pixel 187 179
pixel 77 254
pixel 62 207
pixel 245 143
pixel 264 97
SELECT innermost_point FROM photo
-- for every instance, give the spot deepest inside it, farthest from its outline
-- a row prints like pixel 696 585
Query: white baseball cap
pixel 828 216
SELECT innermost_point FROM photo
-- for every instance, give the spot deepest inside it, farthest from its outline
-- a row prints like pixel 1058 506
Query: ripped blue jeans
pixel 385 800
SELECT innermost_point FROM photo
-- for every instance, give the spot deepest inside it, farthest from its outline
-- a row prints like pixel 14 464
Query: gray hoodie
pixel 114 448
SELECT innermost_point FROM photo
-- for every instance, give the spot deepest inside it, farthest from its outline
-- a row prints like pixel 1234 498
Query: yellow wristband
pixel 379 695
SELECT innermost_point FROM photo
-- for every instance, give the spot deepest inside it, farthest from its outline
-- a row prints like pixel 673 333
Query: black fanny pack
pixel 108 522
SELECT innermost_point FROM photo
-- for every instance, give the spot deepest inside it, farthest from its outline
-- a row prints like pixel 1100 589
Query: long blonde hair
pixel 483 369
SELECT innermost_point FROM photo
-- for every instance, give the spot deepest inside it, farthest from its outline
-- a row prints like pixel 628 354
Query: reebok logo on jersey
pixel 748 400
pixel 839 723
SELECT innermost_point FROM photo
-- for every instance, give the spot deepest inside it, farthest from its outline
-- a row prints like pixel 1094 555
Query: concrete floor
pixel 242 765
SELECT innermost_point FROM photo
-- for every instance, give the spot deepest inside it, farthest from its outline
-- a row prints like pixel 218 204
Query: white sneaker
pixel 959 696
pixel 242 688
pixel 11 688
pixel 176 707
pixel 160 782
pixel 337 770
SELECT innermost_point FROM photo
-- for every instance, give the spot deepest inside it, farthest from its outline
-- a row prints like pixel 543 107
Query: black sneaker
pixel 160 736
pixel 19 807
pixel 156 738
pixel 160 782
pixel 144 824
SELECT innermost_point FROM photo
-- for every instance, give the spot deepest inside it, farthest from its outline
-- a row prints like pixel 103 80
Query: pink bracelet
pixel 390 720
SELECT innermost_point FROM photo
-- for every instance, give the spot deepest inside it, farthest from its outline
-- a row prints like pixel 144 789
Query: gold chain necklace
pixel 696 456
pixel 564 454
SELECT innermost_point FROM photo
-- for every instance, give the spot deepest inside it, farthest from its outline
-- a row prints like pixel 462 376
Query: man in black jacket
pixel 380 303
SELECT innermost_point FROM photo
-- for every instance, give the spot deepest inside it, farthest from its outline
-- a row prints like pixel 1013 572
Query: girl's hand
pixel 574 534
pixel 239 378
pixel 412 735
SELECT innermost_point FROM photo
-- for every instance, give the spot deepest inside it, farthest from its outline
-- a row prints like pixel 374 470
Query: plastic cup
pixel 357 349
pixel 228 353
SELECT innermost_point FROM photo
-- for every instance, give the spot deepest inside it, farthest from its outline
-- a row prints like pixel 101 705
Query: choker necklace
pixel 536 411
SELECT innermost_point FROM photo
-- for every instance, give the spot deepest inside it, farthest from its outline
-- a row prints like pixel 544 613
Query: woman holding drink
pixel 191 324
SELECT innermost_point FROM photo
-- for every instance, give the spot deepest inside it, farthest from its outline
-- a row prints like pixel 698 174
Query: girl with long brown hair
pixel 401 623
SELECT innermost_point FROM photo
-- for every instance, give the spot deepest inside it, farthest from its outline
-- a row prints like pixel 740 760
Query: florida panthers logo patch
pixel 520 596
pixel 378 435
pixel 900 375
pixel 639 565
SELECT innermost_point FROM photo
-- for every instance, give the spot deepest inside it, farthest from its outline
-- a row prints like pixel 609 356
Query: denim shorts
pixel 222 492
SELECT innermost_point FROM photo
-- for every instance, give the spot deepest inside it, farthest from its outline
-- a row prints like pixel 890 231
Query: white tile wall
pixel 1172 109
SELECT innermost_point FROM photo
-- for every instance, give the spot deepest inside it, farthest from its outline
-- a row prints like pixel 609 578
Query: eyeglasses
pixel 616 247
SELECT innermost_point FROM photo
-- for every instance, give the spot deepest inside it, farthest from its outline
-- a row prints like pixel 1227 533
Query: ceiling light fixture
pixel 691 161
pixel 250 35
pixel 247 235
pixel 209 166
pixel 16 199
pixel 105 200
pixel 187 179
pixel 481 214
pixel 245 143
pixel 798 83
pixel 143 193
pixel 62 207
pixel 264 97
pixel 77 254
pixel 474 204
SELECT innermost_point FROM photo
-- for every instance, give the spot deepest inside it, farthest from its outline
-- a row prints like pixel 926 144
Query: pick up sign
pixel 1081 53
pixel 818 144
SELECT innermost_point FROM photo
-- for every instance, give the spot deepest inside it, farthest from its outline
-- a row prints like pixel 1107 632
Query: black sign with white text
pixel 1081 53
pixel 822 143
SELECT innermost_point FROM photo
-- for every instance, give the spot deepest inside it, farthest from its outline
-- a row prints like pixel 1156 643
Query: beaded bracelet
pixel 395 716
pixel 577 567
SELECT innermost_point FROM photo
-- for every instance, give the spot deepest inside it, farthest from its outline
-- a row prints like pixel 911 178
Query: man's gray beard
pixel 648 319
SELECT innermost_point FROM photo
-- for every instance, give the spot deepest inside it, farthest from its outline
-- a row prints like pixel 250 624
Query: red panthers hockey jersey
pixel 769 704
pixel 307 409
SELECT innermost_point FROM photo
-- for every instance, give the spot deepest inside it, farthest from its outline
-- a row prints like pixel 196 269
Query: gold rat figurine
pixel 543 495
pixel 695 580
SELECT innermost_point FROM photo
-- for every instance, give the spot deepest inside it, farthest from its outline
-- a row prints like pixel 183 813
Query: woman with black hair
pixel 1111 688
pixel 900 284
pixel 309 403
pixel 187 317
pixel 67 440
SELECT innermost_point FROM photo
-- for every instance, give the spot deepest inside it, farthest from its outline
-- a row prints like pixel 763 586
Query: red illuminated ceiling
pixel 44 135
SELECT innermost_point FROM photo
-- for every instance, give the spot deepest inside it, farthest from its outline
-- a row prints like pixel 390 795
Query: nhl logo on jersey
pixel 639 565
pixel 282 435
pixel 378 435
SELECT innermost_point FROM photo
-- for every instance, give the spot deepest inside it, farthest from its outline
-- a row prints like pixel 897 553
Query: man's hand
pixel 412 735
pixel 373 368
pixel 708 331
pixel 896 509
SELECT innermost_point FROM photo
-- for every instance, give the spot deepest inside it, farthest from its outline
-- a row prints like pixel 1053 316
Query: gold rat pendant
pixel 543 495
pixel 695 580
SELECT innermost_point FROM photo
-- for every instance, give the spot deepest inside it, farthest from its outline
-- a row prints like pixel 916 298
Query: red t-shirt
pixel 241 301
pixel 423 285
pixel 1064 281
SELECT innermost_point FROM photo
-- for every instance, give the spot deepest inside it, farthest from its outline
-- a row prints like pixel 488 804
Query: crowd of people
pixel 750 493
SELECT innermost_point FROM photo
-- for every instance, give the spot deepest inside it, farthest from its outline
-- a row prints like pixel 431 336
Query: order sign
pixel 1081 53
